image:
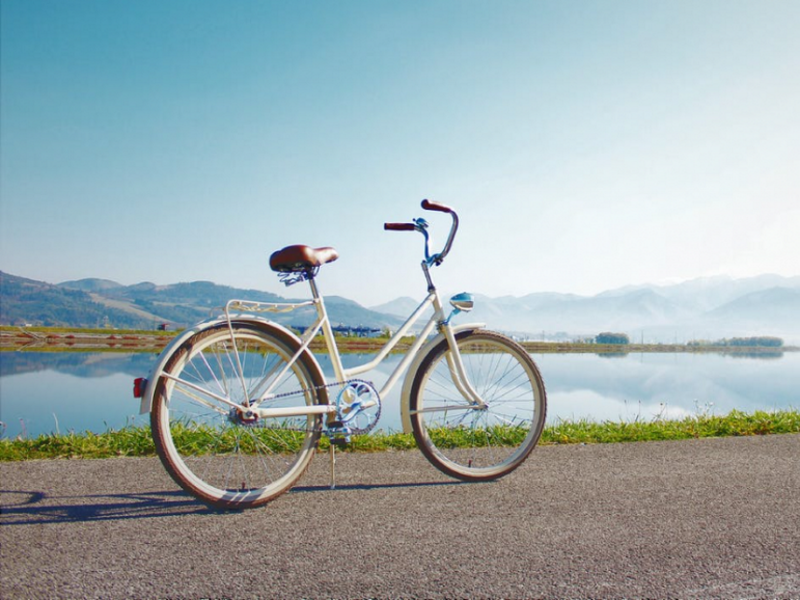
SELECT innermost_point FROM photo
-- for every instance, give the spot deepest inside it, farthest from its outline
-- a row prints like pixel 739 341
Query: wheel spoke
pixel 194 391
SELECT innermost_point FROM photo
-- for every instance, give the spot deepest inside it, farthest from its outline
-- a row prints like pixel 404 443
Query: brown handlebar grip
pixel 399 226
pixel 428 205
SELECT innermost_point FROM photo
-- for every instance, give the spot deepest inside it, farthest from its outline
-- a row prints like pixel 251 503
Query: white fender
pixel 405 394
pixel 147 398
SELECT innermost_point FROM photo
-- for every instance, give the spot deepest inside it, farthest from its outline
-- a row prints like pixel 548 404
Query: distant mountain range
pixel 707 308
pixel 103 303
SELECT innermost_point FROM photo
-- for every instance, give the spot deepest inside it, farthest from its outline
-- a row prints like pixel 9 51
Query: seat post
pixel 312 282
pixel 327 329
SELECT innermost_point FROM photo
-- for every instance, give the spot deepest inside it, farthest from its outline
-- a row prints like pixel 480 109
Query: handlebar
pixel 428 205
pixel 421 225
pixel 399 226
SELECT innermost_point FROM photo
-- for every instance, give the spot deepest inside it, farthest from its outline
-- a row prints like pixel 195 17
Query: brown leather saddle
pixel 301 259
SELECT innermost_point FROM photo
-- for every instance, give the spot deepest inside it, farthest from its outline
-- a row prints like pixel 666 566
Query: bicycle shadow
pixel 303 489
pixel 23 507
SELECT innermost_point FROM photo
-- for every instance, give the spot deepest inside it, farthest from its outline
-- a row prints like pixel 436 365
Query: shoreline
pixel 62 339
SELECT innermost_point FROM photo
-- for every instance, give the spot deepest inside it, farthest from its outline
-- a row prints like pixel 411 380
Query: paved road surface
pixel 705 518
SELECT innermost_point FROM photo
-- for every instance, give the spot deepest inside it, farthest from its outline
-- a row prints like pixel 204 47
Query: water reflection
pixel 79 364
pixel 648 385
pixel 43 392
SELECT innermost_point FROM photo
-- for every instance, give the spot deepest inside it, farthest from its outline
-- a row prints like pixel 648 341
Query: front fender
pixel 149 391
pixel 405 394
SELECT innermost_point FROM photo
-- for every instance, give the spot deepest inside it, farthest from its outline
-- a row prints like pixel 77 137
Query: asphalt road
pixel 703 518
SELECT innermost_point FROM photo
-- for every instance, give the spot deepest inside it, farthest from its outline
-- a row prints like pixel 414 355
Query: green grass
pixel 736 423
pixel 137 441
pixel 131 441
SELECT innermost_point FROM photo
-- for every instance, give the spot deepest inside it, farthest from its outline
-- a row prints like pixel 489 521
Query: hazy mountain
pixel 578 314
pixel 91 285
pixel 36 302
pixel 400 307
pixel 707 293
pixel 774 311
pixel 708 308
pixel 346 312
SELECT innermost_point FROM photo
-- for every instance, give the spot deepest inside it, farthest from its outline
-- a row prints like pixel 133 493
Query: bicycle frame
pixel 323 324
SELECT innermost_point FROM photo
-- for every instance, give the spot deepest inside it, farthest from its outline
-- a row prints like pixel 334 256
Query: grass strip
pixel 137 441
pixel 735 423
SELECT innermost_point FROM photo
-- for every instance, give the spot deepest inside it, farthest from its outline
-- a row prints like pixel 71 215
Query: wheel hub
pixel 242 415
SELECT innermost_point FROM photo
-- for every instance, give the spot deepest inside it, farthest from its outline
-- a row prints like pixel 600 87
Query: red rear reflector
pixel 139 385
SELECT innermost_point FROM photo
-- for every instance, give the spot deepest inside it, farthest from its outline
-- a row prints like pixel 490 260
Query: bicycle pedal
pixel 340 441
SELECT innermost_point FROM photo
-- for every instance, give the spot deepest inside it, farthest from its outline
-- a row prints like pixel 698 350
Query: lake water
pixel 43 392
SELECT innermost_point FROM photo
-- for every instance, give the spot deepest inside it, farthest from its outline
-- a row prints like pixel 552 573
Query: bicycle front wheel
pixel 208 442
pixel 470 440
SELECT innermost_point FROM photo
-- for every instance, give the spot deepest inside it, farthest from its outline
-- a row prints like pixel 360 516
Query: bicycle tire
pixel 206 447
pixel 470 443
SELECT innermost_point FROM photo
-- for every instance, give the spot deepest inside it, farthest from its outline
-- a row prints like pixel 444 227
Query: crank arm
pixel 353 412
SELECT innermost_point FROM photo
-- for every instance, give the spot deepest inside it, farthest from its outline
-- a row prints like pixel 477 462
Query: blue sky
pixel 586 145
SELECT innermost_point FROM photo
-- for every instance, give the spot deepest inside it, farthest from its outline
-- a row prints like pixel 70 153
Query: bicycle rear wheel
pixel 468 441
pixel 220 454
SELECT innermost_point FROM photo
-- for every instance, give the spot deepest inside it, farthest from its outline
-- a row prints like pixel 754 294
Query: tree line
pixel 760 341
pixel 763 341
pixel 608 337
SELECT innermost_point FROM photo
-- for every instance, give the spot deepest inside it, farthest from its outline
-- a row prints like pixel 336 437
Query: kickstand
pixel 333 466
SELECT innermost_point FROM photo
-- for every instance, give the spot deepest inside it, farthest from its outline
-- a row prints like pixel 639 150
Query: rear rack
pixel 256 307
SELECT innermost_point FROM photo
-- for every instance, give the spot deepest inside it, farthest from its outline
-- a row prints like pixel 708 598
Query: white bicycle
pixel 238 403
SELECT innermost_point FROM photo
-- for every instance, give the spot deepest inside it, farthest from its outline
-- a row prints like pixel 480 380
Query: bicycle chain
pixel 321 387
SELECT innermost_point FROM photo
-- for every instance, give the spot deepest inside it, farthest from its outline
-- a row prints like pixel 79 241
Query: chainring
pixel 358 406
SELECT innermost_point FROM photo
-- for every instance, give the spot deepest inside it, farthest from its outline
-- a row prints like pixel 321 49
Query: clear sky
pixel 586 144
